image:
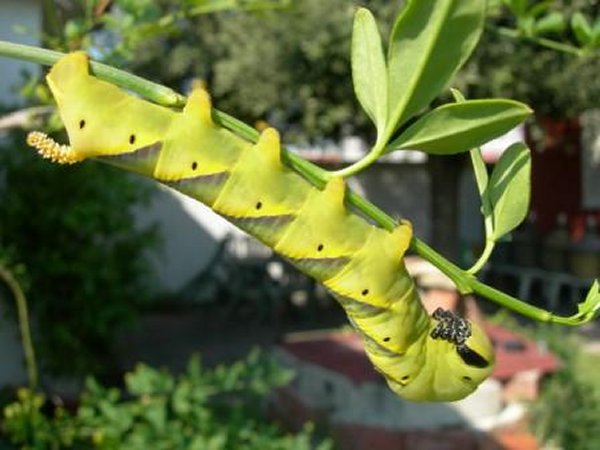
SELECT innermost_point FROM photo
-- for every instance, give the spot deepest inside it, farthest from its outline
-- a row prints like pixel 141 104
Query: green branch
pixel 147 89
pixel 544 42
pixel 484 257
pixel 465 282
pixel 23 316
pixel 214 7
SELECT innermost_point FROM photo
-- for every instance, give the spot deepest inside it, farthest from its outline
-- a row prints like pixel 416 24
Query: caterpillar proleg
pixel 435 358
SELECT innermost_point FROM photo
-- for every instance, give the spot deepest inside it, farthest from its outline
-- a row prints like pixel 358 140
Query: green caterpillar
pixel 436 358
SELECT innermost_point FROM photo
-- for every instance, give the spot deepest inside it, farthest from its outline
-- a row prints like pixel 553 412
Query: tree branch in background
pixel 24 118
pixel 7 277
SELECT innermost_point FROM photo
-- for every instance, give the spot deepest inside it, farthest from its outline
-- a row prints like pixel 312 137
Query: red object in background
pixel 342 352
pixel 515 353
pixel 556 179
pixel 556 175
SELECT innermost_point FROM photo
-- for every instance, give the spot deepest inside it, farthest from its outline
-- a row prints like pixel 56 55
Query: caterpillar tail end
pixel 50 149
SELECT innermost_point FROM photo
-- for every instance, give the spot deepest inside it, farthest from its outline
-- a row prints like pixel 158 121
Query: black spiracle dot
pixel 81 124
pixel 194 165
pixel 405 378
pixel 365 292
pixel 258 205
pixel 386 339
pixel 466 378
pixel 320 247
pixel 132 139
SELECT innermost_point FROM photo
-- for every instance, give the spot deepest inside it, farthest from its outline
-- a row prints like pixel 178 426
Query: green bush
pixel 200 409
pixel 566 414
pixel 526 71
pixel 72 230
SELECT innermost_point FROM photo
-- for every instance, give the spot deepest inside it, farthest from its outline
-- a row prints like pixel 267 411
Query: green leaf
pixel 480 170
pixel 509 189
pixel 482 180
pixel 596 34
pixel 540 8
pixel 481 174
pixel 553 22
pixel 582 28
pixel 430 41
pixel 589 309
pixel 459 127
pixel 518 7
pixel 526 25
pixel 368 67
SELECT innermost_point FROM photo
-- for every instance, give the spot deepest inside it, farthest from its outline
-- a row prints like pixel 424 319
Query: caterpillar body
pixel 434 358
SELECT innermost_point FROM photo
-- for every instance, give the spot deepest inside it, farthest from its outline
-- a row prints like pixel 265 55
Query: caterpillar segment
pixel 262 196
pixel 78 95
pixel 428 358
pixel 201 169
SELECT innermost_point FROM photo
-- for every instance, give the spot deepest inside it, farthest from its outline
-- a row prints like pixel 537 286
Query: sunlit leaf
pixel 429 42
pixel 518 7
pixel 368 67
pixel 589 309
pixel 459 127
pixel 479 168
pixel 509 189
pixel 527 25
pixel 596 33
pixel 553 22
pixel 538 9
pixel 581 28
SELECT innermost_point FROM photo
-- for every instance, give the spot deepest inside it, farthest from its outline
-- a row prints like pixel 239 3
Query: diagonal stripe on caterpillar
pixel 437 358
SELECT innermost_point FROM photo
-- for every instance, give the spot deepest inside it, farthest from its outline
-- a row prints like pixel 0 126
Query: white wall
pixel 471 231
pixel 401 190
pixel 25 14
pixel 191 233
pixel 20 21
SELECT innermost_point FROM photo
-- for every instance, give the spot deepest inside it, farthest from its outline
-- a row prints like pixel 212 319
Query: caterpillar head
pixel 101 120
pixel 458 357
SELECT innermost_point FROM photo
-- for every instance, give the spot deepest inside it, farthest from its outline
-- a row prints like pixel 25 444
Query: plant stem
pixel 152 91
pixel 482 180
pixel 359 165
pixel 467 283
pixel 244 6
pixel 23 316
pixel 544 42
pixel 209 8
pixel 483 258
pixel 464 281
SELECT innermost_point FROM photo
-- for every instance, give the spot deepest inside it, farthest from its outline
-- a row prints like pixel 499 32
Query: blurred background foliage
pixel 555 83
pixel 565 414
pixel 71 234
